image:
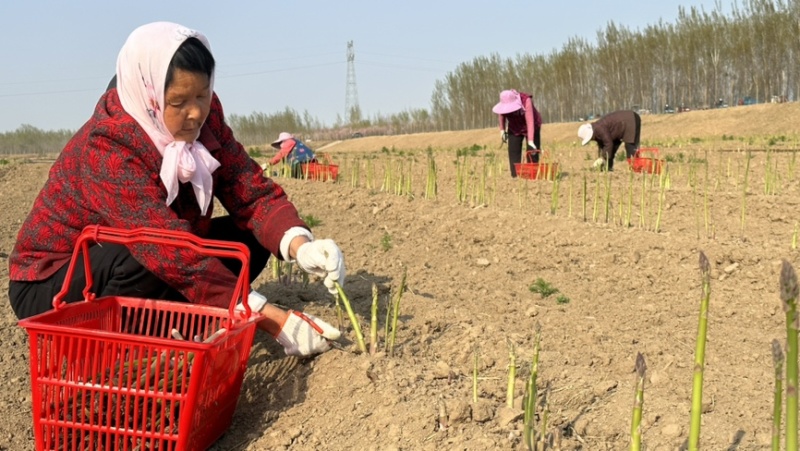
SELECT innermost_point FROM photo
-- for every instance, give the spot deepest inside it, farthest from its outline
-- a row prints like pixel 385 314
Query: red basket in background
pixel 646 159
pixel 113 372
pixel 541 170
pixel 320 171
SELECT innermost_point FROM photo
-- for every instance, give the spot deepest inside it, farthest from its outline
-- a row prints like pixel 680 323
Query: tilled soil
pixel 470 262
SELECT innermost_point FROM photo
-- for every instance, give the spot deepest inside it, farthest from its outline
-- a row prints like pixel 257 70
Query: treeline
pixel 257 129
pixel 705 59
pixel 29 140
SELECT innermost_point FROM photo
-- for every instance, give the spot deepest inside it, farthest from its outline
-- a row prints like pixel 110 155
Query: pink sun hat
pixel 281 138
pixel 510 101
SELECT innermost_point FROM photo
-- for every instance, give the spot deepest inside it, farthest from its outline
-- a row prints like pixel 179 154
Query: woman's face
pixel 188 101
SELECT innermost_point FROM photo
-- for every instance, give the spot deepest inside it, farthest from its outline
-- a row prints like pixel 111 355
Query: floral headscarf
pixel 141 73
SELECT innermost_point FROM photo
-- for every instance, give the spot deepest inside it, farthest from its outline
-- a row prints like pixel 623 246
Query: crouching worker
pixel 294 151
pixel 155 153
pixel 610 131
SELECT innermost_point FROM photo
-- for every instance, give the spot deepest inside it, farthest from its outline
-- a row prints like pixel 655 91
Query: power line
pixel 22 94
pixel 284 69
pixel 220 76
pixel 11 83
pixel 410 57
pixel 273 61
pixel 395 66
pixel 351 94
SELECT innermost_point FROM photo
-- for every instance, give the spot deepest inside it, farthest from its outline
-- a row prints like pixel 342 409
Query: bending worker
pixel 610 131
pixel 294 151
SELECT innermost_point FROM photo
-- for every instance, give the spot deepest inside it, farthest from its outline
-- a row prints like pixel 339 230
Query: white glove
pixel 598 163
pixel 255 300
pixel 503 135
pixel 324 259
pixel 305 334
pixel 532 145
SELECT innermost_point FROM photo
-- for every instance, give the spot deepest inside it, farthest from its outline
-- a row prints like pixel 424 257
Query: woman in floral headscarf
pixel 293 151
pixel 154 154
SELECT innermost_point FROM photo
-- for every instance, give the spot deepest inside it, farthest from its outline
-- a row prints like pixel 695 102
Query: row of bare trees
pixel 259 128
pixel 29 140
pixel 704 59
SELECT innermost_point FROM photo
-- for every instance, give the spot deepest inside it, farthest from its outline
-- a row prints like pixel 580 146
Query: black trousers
pixel 515 149
pixel 116 273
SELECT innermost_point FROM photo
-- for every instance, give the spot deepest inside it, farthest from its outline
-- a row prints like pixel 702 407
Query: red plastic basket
pixel 542 171
pixel 107 374
pixel 317 171
pixel 320 171
pixel 646 159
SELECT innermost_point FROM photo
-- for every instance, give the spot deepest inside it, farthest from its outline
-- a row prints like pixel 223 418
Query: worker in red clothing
pixel 293 151
pixel 519 119
pixel 154 154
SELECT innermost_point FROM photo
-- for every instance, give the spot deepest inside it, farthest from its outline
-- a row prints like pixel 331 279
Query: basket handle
pixel 207 247
pixel 542 153
pixel 327 160
pixel 651 150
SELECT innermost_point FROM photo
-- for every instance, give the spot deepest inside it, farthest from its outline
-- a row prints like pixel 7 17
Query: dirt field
pixel 469 268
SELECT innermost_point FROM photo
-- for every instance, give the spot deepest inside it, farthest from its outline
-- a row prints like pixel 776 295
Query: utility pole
pixel 352 113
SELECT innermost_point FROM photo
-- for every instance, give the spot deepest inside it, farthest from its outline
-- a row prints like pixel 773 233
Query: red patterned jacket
pixel 108 174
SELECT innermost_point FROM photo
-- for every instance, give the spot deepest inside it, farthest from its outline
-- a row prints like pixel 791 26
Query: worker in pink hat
pixel 293 151
pixel 518 119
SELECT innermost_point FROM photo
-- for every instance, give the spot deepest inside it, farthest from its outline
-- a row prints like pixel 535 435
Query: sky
pixel 58 56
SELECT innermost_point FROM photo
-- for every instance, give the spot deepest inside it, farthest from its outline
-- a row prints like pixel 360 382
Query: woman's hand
pixel 322 258
pixel 299 333
pixel 303 334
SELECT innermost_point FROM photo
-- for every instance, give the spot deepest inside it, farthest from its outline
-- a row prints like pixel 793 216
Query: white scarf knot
pixel 188 162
